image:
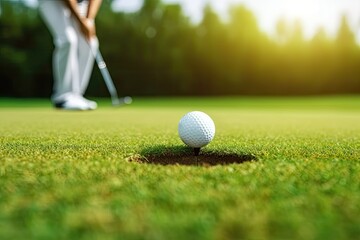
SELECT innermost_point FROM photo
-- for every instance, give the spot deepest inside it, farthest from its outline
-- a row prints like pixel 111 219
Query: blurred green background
pixel 159 51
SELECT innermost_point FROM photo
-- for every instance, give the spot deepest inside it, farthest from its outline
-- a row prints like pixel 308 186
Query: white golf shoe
pixel 92 105
pixel 76 103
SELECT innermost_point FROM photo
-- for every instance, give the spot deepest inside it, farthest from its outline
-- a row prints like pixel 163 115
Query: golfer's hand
pixel 88 28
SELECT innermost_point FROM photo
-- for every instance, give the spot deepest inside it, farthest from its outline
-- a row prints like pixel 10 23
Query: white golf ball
pixel 196 129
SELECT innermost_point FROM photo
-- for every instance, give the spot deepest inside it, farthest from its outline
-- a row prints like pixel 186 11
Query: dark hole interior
pixel 161 155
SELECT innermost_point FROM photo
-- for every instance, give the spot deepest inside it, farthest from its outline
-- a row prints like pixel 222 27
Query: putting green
pixel 71 175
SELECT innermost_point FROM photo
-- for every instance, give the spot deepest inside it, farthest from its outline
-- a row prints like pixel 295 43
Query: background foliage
pixel 158 51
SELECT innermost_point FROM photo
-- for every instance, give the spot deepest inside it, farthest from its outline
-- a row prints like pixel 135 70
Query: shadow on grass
pixel 181 155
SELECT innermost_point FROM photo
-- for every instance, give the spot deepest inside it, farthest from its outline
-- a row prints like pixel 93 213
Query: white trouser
pixel 73 59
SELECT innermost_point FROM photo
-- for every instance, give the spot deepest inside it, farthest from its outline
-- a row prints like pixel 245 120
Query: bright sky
pixel 312 13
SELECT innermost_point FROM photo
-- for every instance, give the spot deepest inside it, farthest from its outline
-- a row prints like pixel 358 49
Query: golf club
pixel 116 101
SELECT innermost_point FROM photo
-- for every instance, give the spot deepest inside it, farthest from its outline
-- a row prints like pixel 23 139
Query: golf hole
pixel 185 156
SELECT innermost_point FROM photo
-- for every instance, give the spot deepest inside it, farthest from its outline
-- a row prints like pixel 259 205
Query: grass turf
pixel 67 175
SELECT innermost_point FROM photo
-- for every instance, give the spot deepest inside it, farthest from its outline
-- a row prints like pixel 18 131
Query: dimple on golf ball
pixel 196 129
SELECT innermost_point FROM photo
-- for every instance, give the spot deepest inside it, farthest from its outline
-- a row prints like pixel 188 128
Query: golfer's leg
pixel 65 65
pixel 86 55
pixel 86 61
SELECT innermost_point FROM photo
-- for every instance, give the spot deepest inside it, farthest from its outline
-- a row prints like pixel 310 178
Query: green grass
pixel 67 175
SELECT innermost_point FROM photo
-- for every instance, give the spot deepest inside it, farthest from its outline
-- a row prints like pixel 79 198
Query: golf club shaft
pixel 116 101
pixel 106 76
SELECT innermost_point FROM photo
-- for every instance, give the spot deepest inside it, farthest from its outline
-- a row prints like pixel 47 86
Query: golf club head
pixel 122 101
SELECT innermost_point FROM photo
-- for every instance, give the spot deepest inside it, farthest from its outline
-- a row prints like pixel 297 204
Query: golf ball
pixel 196 129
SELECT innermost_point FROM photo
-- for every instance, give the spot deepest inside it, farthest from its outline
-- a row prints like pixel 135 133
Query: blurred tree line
pixel 159 51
